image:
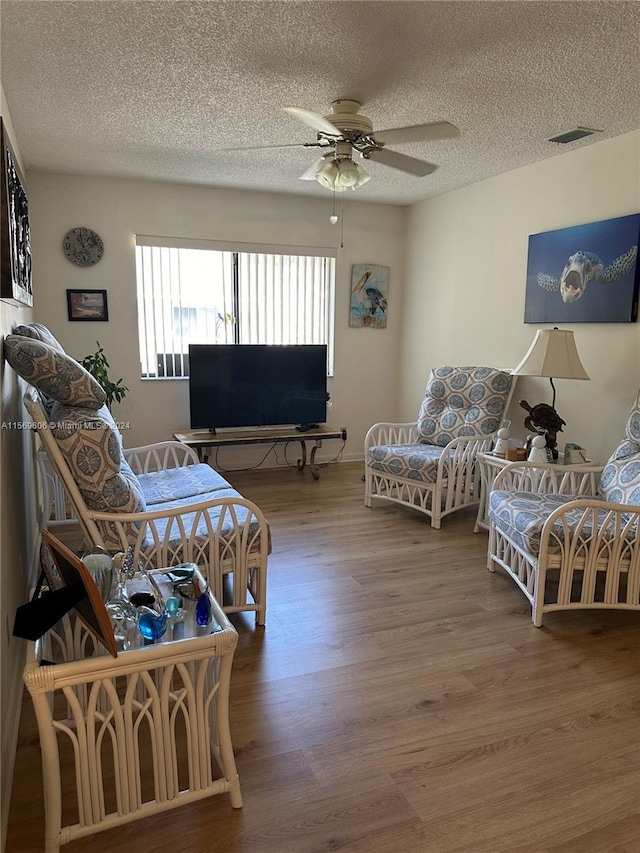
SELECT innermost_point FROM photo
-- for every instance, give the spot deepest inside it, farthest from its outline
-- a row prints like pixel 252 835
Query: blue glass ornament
pixel 203 609
pixel 151 625
pixel 173 606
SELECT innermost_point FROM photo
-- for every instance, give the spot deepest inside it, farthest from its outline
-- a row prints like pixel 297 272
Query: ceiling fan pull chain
pixel 333 218
pixel 342 224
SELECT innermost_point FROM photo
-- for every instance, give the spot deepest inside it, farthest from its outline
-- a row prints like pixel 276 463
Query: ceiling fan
pixel 345 130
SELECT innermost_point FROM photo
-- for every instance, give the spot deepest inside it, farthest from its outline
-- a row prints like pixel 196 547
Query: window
pixel 192 293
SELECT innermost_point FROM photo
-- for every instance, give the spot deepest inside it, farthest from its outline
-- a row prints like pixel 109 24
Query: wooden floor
pixel 401 701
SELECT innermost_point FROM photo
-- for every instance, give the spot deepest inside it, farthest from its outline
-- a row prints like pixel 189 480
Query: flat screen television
pixel 244 385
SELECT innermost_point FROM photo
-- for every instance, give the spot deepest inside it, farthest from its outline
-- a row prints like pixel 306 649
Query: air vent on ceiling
pixel 572 135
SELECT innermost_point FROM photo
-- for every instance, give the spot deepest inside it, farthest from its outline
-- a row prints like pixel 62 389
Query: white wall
pixel 364 387
pixel 465 286
pixel 18 527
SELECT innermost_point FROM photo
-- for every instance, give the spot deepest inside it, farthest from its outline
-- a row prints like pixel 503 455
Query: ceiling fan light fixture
pixel 341 175
pixel 347 173
pixel 327 174
pixel 363 176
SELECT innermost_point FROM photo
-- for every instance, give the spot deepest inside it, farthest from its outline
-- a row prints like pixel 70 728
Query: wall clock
pixel 83 247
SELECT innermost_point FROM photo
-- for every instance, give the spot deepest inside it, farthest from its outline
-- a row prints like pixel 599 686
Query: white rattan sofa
pixel 430 464
pixel 569 536
pixel 158 499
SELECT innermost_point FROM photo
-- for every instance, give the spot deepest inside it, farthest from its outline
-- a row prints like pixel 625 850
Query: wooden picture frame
pixel 15 236
pixel 87 305
pixel 90 608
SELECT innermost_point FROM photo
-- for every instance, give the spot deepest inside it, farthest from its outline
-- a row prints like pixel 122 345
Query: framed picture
pixel 585 274
pixel 72 573
pixel 15 237
pixel 87 305
pixel 369 296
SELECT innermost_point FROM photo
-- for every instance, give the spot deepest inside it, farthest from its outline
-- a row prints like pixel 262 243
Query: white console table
pixel 202 441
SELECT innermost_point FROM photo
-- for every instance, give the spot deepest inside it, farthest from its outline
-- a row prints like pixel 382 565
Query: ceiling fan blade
pixel 264 147
pixel 417 133
pixel 312 171
pixel 419 168
pixel 314 120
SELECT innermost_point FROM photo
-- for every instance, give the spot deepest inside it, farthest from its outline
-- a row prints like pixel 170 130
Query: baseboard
pixel 10 728
pixel 271 462
pixel 349 457
pixel 13 711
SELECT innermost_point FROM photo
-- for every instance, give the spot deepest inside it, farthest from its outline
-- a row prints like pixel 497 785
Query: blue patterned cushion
pixel 174 537
pixel 39 333
pixel 521 516
pixel 92 447
pixel 462 401
pixel 410 461
pixel 179 483
pixel 620 479
pixel 178 503
pixel 53 373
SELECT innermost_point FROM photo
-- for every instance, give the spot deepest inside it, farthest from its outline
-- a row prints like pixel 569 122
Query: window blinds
pixel 189 295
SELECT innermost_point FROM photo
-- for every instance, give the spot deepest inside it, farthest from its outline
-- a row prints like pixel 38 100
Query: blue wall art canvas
pixel 369 296
pixel 585 274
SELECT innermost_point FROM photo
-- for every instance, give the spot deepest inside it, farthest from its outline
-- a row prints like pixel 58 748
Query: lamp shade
pixel 553 353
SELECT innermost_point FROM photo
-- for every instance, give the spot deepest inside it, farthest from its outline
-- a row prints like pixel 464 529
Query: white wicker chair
pixel 430 465
pixel 225 535
pixel 158 499
pixel 568 541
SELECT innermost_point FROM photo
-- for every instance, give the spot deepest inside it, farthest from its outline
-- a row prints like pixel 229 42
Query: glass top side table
pixel 148 730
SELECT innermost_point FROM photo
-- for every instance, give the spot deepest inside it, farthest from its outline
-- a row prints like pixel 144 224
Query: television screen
pixel 238 385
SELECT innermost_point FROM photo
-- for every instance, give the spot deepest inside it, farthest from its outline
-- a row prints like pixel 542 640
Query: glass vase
pixel 123 615
pixel 99 563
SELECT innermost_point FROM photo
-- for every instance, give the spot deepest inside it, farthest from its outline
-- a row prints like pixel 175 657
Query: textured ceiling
pixel 158 90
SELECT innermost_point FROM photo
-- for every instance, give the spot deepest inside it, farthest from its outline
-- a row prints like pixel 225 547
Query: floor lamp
pixel 553 354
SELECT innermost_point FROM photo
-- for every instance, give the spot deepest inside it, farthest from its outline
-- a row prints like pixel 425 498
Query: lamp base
pixel 544 420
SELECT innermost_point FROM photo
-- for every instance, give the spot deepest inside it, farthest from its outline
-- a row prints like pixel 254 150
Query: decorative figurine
pixel 539 451
pixel 544 420
pixel 502 443
pixel 203 608
pixel 151 625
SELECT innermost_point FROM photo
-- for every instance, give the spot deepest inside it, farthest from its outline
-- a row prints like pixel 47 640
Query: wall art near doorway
pixel 15 237
pixel 584 274
pixel 369 296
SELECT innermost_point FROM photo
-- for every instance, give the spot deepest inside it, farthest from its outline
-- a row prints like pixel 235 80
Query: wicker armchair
pixel 569 536
pixel 430 464
pixel 214 527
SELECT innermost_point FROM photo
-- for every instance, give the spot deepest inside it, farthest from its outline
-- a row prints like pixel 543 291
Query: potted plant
pixel 98 367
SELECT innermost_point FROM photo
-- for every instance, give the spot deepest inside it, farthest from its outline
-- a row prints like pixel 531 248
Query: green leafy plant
pixel 98 367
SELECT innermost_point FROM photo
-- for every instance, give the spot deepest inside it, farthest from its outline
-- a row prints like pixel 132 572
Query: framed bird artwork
pixel 369 296
pixel 584 274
